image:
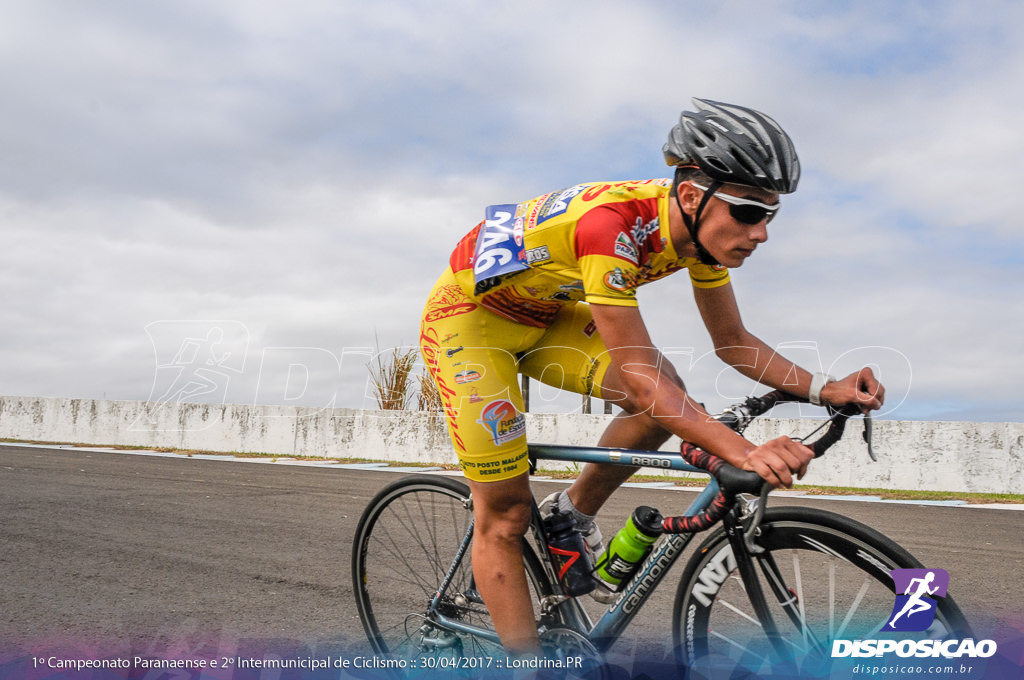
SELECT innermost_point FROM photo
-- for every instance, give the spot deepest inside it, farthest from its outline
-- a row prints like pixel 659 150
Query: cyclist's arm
pixel 652 386
pixel 745 352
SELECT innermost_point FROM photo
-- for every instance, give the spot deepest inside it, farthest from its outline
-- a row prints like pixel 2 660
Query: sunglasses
pixel 743 209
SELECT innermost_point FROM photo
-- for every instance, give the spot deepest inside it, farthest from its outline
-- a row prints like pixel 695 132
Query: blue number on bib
pixel 498 250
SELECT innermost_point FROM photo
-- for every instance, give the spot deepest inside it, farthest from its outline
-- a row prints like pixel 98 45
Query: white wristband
pixel 818 381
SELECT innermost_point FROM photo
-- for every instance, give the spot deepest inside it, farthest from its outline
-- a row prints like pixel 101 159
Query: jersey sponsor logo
pixel 595 191
pixel 624 248
pixel 431 349
pixel 504 423
pixel 619 281
pixel 558 202
pixel 467 376
pixel 538 255
pixel 449 311
pixel 531 220
pixel 449 301
pixel 567 292
pixel 641 231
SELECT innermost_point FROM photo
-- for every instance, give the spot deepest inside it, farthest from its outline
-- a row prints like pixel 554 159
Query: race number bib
pixel 499 248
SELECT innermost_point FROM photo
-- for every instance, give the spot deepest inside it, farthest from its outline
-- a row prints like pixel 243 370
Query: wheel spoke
pixel 737 645
pixel 829 575
pixel 810 639
pixel 406 544
pixel 831 601
pixel 853 607
pixel 800 602
pixel 740 613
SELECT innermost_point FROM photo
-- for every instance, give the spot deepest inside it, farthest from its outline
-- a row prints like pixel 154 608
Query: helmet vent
pixel 734 144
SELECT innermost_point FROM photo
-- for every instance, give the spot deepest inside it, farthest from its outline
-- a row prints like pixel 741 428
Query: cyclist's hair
pixel 689 173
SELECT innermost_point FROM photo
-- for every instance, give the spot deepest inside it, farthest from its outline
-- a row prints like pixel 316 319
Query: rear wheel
pixel 406 542
pixel 831 573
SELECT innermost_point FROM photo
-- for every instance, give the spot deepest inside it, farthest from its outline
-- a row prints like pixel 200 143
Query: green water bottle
pixel 630 546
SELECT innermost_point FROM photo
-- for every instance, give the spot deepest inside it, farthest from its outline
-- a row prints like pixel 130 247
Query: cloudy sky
pixel 254 195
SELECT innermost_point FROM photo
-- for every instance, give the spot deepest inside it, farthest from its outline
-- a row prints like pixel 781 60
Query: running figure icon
pixel 915 604
pixel 917 586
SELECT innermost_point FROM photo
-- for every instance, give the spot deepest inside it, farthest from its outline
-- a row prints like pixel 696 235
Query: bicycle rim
pixel 405 544
pixel 834 573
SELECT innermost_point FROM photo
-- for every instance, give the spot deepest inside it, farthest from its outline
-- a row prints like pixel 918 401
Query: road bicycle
pixel 768 589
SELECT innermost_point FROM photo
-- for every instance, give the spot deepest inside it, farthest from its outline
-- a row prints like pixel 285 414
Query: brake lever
pixel 751 529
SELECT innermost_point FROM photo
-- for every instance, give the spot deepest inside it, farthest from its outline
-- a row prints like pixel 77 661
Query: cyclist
pixel 547 288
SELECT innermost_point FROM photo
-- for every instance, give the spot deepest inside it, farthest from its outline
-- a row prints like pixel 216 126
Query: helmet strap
pixel 693 224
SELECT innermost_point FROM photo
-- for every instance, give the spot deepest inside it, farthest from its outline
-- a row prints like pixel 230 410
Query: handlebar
pixel 732 480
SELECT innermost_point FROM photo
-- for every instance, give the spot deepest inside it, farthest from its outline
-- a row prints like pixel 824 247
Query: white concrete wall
pixel 945 456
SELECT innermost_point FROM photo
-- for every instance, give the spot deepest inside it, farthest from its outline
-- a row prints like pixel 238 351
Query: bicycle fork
pixel 750 557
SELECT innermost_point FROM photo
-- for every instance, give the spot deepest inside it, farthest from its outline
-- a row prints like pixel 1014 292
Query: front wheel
pixel 406 542
pixel 825 578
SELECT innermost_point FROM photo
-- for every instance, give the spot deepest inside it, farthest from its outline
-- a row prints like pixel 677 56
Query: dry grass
pixel 428 398
pixel 395 383
pixel 392 378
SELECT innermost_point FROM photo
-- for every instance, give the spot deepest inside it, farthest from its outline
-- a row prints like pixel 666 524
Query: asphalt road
pixel 107 551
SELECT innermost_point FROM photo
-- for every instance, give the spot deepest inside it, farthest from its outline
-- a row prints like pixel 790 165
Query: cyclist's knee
pixel 502 509
pixel 507 527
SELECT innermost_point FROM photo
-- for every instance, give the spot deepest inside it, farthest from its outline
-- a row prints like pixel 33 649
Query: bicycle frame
pixel 740 544
pixel 607 629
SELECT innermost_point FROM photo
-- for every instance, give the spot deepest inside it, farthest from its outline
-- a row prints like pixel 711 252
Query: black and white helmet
pixel 734 145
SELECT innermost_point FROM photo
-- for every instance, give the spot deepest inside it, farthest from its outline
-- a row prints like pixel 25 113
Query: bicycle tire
pixel 405 543
pixel 715 631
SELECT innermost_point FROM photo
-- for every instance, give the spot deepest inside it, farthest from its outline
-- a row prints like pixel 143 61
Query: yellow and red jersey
pixel 593 242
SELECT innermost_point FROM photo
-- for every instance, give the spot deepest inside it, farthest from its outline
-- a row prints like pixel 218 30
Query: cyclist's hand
pixel 861 388
pixel 777 460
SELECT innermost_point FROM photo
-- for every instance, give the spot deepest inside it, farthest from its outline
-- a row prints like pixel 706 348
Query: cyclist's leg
pixel 596 482
pixel 404 555
pixel 502 512
pixel 571 355
pixel 471 354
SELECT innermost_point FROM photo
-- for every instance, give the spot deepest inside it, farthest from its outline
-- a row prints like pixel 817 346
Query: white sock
pixel 583 522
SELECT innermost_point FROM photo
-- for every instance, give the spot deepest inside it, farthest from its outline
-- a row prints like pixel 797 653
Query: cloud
pixel 304 171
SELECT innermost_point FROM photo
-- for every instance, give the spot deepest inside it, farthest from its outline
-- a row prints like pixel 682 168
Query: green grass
pixel 913 495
